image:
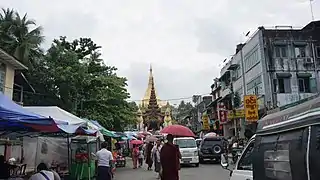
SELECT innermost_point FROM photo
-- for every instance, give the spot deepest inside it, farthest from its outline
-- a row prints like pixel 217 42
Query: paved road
pixel 204 172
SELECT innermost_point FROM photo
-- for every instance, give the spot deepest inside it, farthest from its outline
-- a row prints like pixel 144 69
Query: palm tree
pixel 18 38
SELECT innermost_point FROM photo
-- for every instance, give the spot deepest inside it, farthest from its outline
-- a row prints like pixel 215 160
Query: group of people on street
pixel 43 172
pixel 164 156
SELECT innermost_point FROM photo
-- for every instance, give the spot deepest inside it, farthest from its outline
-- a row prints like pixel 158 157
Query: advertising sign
pixel 251 108
pixel 222 113
pixel 239 114
pixel 205 122
pixel 223 116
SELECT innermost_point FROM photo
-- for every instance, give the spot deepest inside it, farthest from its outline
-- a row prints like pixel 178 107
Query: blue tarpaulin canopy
pixel 15 117
pixel 67 122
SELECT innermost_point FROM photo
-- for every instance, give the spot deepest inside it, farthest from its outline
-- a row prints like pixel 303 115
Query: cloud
pixel 184 40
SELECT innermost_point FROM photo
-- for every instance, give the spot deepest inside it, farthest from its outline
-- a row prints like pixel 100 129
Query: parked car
pixel 211 148
pixel 188 149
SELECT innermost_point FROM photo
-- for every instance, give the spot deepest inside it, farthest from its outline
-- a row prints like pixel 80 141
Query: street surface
pixel 208 171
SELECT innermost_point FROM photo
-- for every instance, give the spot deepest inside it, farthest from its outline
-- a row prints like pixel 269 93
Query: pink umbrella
pixel 177 130
pixel 145 133
pixel 136 142
pixel 151 139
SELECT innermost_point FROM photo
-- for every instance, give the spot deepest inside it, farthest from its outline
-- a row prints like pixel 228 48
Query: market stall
pixel 82 162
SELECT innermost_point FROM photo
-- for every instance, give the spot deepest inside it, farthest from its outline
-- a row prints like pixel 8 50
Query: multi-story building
pixel 280 65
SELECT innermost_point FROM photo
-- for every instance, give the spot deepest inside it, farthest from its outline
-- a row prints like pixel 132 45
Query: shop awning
pixel 103 130
pixel 67 122
pixel 14 117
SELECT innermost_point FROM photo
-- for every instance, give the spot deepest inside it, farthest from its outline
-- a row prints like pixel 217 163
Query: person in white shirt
pixel 104 158
pixel 44 173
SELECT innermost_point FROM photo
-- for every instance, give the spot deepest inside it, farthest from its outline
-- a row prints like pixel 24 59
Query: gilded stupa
pixel 147 94
pixel 152 109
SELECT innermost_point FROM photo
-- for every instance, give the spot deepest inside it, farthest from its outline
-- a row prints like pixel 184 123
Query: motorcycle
pixel 236 153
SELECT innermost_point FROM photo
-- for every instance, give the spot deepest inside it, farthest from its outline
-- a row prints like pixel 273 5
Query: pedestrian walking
pixel 140 156
pixel 104 158
pixel 156 157
pixel 135 155
pixel 149 161
pixel 170 160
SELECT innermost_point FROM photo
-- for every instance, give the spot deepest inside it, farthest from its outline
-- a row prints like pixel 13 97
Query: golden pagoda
pixel 152 108
pixel 147 94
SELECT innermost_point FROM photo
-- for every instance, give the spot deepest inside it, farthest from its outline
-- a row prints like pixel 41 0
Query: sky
pixel 184 40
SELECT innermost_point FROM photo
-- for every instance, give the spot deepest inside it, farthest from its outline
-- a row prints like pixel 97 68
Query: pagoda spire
pixel 153 104
pixel 150 78
pixel 150 84
pixel 150 69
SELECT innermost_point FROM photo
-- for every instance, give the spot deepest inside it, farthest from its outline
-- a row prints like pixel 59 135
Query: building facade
pixel 8 67
pixel 280 65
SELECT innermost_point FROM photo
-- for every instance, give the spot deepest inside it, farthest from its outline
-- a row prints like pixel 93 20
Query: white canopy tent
pixel 56 113
pixel 61 115
pixel 55 144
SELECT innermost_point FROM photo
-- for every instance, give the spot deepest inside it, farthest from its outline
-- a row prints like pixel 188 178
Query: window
pixel 313 85
pixel 237 73
pixel 186 143
pixel 277 162
pixel 300 51
pixel 2 77
pixel 239 91
pixel 245 163
pixel 304 85
pixel 318 51
pixel 281 51
pixel 282 85
pixel 254 86
pixel 251 60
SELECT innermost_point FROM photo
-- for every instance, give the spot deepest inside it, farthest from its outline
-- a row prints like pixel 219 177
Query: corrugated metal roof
pixel 11 60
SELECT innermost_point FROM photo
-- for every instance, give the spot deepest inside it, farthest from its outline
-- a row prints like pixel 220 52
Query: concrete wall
pixel 8 91
pixel 9 79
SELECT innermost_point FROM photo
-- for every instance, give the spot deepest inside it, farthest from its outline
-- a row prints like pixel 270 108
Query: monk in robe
pixel 148 155
pixel 169 159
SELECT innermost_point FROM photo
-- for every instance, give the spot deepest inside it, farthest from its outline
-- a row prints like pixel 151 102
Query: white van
pixel 188 149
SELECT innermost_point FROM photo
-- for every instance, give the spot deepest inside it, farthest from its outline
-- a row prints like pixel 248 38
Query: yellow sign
pixel 239 114
pixel 251 108
pixel 205 122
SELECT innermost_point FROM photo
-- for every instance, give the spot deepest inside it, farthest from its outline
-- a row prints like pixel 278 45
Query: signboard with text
pixel 251 108
pixel 222 113
pixel 239 114
pixel 205 122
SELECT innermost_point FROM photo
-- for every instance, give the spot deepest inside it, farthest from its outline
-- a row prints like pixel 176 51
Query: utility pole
pixel 311 9
pixel 233 108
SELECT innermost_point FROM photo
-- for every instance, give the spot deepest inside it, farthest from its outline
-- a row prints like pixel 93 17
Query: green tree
pixel 184 109
pixel 20 37
pixel 76 75
pixel 71 74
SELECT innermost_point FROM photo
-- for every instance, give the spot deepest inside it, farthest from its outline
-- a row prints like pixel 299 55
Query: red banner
pixel 222 113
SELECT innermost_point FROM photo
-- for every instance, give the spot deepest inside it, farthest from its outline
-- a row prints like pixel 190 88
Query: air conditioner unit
pixel 309 60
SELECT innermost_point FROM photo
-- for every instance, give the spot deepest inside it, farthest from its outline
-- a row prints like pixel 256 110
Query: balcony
pixel 226 92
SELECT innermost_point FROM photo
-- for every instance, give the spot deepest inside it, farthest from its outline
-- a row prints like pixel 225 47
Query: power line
pixel 173 99
pixel 129 100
